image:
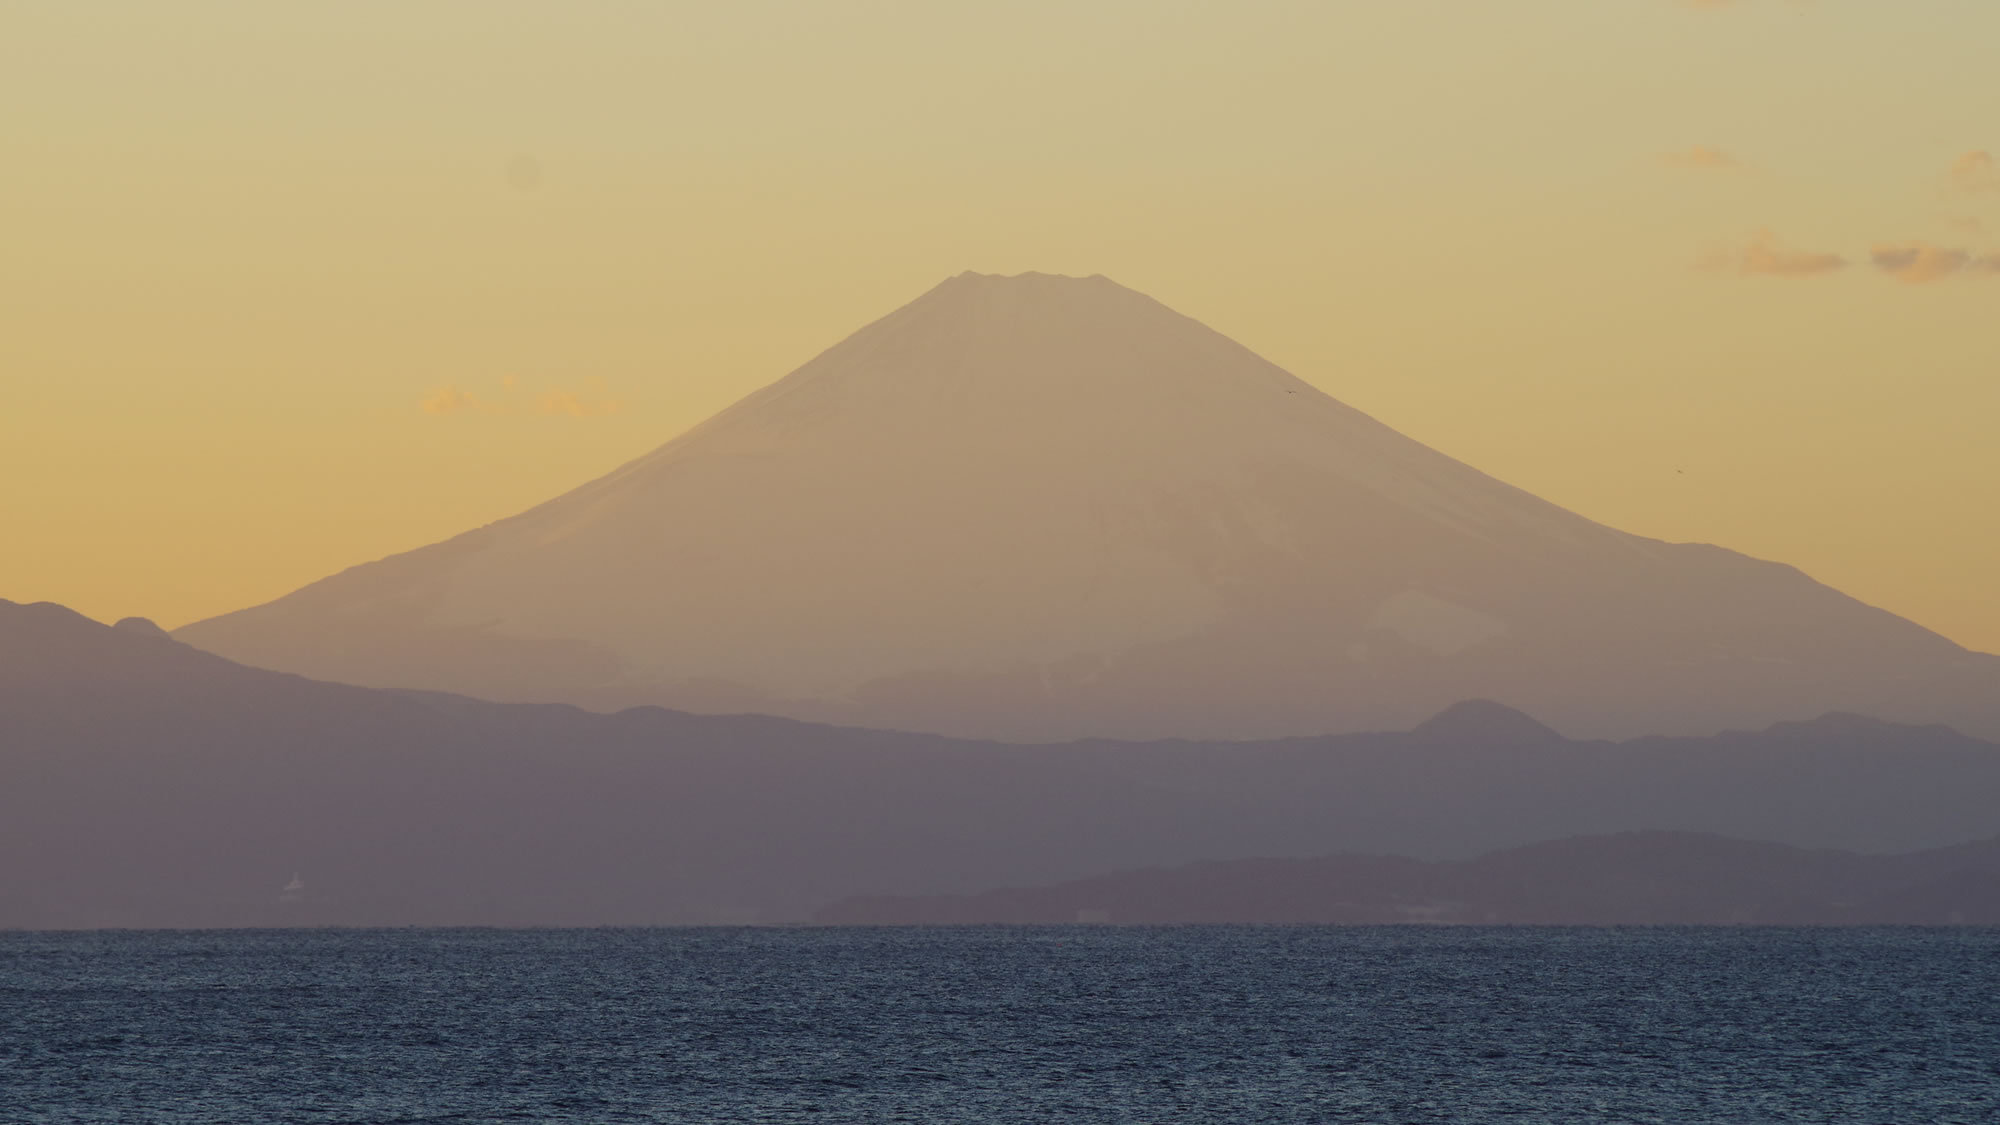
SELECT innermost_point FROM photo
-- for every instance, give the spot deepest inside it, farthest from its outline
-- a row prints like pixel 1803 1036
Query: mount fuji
pixel 1043 507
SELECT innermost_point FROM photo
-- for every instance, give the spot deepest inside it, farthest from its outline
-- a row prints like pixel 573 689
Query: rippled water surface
pixel 1078 1024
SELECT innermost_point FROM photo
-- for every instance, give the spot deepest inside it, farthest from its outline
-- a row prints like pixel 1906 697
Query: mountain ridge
pixel 146 783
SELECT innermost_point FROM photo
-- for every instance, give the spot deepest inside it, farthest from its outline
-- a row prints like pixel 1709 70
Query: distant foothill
pixel 149 784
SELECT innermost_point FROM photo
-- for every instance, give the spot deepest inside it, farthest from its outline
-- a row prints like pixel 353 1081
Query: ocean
pixel 1055 1024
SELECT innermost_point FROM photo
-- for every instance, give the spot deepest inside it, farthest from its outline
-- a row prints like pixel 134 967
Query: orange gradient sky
pixel 286 288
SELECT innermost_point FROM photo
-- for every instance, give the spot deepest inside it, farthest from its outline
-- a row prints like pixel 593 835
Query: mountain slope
pixel 145 783
pixel 1042 507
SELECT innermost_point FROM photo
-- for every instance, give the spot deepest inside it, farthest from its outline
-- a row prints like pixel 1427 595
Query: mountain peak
pixel 1483 722
pixel 141 627
pixel 47 616
pixel 1029 320
pixel 1034 277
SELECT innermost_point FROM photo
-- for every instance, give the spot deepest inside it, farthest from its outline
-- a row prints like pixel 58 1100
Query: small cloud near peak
pixel 1705 158
pixel 1766 256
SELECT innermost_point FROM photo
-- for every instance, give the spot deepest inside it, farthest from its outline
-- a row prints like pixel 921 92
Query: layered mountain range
pixel 1042 508
pixel 146 783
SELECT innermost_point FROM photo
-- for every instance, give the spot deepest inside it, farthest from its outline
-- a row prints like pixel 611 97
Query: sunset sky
pixel 286 288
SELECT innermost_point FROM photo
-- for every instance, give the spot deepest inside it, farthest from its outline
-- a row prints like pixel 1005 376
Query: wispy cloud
pixel 1702 158
pixel 1920 262
pixel 449 400
pixel 1974 171
pixel 1766 256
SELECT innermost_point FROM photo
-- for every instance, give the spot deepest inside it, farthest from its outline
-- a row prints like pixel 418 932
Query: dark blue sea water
pixel 1085 1024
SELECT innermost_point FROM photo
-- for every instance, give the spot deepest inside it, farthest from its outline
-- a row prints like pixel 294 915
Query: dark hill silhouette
pixel 1044 508
pixel 146 783
pixel 1628 879
pixel 143 626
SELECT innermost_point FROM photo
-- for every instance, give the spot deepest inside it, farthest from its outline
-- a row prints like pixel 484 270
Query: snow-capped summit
pixel 1043 507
